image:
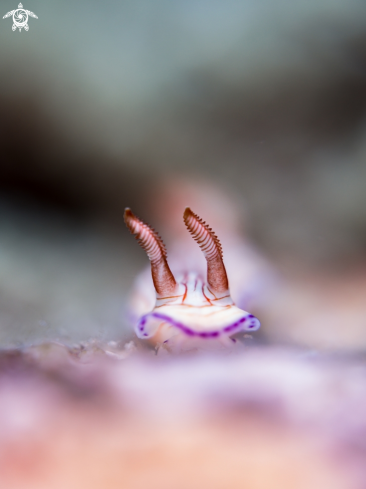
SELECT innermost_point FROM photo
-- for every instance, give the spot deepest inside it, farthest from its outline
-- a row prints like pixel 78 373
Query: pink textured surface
pixel 104 416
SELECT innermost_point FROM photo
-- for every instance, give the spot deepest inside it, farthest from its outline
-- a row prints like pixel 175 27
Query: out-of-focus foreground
pixel 252 113
pixel 104 416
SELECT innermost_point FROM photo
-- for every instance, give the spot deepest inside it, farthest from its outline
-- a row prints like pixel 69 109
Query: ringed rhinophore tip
pixel 151 242
pixel 211 248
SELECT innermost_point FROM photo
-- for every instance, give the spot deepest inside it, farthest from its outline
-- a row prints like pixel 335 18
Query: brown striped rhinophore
pixel 189 310
pixel 150 241
pixel 211 248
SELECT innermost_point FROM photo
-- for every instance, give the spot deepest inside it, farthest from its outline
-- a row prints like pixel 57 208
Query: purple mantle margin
pixel 204 334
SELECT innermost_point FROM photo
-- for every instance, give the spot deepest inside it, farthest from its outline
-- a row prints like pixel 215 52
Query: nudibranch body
pixel 189 312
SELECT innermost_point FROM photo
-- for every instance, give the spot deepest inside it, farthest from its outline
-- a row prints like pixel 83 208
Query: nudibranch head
pixel 189 308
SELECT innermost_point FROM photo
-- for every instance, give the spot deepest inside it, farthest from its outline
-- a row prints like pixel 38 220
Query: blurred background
pixel 106 104
pixel 254 114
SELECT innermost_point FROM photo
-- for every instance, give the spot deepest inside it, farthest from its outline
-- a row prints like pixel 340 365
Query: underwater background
pixel 104 106
pixel 252 113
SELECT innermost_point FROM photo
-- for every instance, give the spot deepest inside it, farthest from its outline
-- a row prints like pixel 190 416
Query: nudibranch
pixel 189 311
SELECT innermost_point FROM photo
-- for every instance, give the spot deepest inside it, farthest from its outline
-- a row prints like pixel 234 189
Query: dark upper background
pixel 101 100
